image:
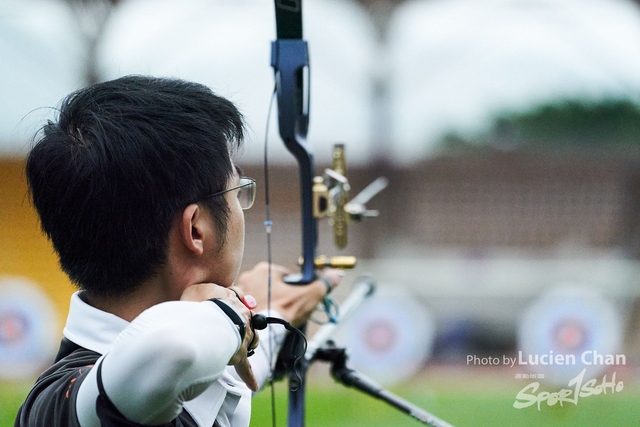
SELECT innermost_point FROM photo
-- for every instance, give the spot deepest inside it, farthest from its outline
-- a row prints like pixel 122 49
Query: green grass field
pixel 332 405
pixel 484 399
pixel 11 396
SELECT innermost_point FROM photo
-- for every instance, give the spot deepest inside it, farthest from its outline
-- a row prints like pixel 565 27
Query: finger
pixel 245 372
pixel 255 340
pixel 239 292
pixel 279 270
pixel 334 275
pixel 248 300
pixel 331 277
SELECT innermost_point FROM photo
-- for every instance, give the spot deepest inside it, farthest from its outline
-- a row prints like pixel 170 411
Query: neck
pixel 128 306
pixel 170 280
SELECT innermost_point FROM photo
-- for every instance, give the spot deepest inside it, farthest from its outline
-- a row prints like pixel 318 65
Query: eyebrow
pixel 238 170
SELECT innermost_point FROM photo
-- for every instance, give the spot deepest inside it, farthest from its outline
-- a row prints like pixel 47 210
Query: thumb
pixel 245 372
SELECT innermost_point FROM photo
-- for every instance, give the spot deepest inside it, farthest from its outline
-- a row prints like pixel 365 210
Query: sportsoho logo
pixel 577 387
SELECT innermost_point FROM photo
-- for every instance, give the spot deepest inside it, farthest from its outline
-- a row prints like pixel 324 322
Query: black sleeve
pixel 52 400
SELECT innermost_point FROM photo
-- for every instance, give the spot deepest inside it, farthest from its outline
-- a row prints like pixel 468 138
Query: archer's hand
pixel 235 297
pixel 294 303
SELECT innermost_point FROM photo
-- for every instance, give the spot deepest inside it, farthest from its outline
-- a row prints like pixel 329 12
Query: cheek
pixel 239 233
pixel 236 225
pixel 237 240
pixel 241 238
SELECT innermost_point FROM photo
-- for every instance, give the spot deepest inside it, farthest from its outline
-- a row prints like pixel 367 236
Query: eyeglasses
pixel 246 195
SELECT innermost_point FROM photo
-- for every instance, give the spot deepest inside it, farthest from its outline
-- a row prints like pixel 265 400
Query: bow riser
pixel 290 61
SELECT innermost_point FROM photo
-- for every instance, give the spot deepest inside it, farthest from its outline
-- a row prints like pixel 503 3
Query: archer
pixel 135 186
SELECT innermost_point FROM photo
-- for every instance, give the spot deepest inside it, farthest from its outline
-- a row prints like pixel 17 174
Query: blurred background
pixel 509 131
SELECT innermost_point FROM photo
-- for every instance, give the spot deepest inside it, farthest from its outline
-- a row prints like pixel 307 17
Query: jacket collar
pixel 91 328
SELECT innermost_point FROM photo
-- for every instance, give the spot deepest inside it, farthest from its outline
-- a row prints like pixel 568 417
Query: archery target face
pixel 569 321
pixel 390 337
pixel 28 329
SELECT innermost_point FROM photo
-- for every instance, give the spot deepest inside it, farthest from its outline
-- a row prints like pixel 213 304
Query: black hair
pixel 122 160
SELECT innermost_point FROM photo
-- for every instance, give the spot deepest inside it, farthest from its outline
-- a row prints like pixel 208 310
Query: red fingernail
pixel 250 302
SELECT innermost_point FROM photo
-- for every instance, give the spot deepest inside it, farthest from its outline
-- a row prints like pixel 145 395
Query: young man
pixel 135 186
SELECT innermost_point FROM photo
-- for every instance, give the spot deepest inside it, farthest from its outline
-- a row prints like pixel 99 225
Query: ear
pixel 192 229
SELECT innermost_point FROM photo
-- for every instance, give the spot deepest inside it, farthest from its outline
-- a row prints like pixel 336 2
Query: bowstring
pixel 268 225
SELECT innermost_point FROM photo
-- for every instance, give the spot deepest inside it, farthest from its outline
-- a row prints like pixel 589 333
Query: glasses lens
pixel 247 193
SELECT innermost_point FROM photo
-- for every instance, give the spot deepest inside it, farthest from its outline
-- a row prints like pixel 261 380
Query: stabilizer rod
pixel 351 378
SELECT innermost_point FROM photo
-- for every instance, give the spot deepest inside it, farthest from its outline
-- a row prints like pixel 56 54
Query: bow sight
pixel 330 195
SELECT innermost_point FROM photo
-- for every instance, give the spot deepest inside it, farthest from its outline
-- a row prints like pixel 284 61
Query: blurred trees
pixel 610 124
